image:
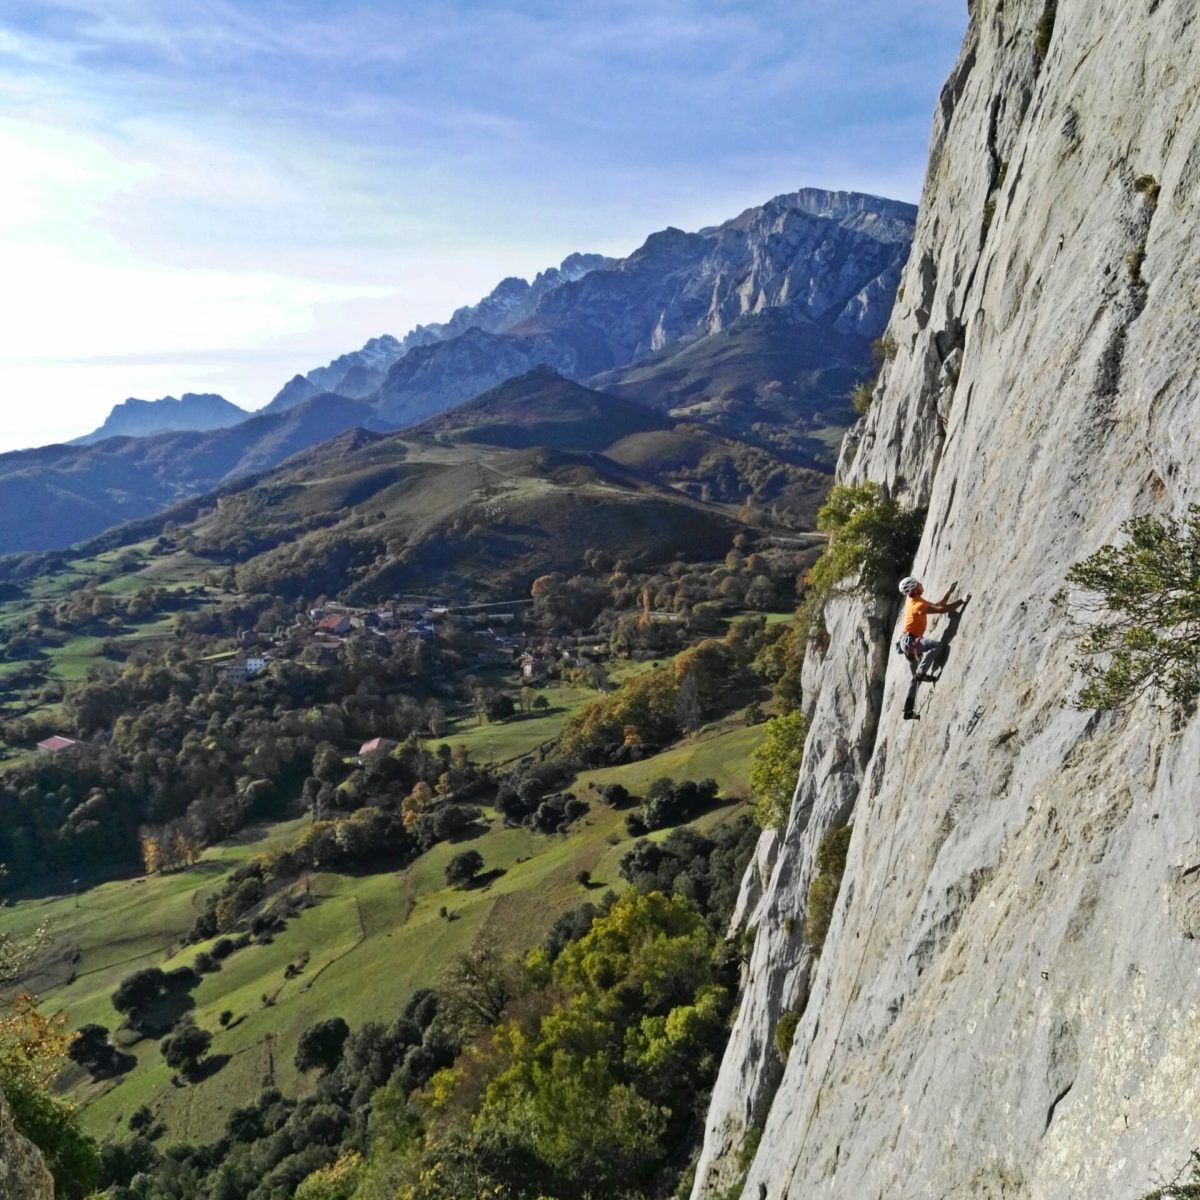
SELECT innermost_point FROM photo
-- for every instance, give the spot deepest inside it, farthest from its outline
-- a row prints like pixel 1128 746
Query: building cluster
pixel 496 635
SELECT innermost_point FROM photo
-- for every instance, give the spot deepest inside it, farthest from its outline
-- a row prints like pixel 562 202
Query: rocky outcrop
pixel 23 1174
pixel 1005 1005
pixel 142 418
pixel 431 379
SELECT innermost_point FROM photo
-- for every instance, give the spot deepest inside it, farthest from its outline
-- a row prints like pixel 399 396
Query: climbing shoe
pixel 912 716
pixel 925 677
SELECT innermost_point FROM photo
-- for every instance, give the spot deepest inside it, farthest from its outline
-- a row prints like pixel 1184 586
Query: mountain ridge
pixel 679 287
pixel 199 412
pixel 825 264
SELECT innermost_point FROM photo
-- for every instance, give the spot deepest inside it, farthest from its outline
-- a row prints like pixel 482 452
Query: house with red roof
pixel 376 746
pixel 57 744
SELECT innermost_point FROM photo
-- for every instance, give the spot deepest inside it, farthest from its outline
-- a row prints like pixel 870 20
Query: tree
pixel 823 891
pixel 328 764
pixel 687 704
pixel 321 1045
pixel 92 1050
pixel 1140 614
pixel 774 766
pixel 478 985
pixel 463 868
pixel 153 855
pixel 138 991
pixel 416 802
pixel 872 538
pixel 497 706
pixel 184 1049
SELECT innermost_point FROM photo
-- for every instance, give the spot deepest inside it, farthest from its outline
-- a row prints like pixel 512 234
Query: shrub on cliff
pixel 774 766
pixel 32 1052
pixel 823 892
pixel 872 540
pixel 1140 613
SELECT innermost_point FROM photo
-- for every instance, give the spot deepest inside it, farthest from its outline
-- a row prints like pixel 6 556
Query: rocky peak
pixel 575 266
pixel 199 411
pixel 361 373
pixel 676 289
pixel 668 245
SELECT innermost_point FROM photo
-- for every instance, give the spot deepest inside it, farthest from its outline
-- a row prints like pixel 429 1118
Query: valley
pixel 444 663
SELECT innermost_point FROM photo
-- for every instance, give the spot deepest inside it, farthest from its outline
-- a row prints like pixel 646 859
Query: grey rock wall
pixel 23 1174
pixel 1008 1004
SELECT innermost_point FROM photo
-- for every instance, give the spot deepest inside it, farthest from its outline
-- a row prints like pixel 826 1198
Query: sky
pixel 213 195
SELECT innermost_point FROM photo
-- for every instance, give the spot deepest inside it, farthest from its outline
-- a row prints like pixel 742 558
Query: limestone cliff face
pixel 23 1174
pixel 1007 1004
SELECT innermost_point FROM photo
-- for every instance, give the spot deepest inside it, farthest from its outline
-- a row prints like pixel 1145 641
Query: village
pixel 492 636
pixel 488 637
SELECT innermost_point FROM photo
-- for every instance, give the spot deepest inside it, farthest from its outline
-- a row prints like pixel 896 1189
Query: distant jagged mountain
pixel 759 327
pixel 201 412
pixel 54 496
pixel 774 370
pixel 360 373
pixel 830 259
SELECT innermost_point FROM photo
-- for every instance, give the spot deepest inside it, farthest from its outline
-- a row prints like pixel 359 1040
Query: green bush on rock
pixel 871 536
pixel 1140 614
pixel 823 891
pixel 774 766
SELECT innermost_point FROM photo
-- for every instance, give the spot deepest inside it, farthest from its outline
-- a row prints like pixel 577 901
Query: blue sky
pixel 211 195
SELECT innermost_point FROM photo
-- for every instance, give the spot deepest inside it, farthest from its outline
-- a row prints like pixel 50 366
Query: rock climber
pixel 923 653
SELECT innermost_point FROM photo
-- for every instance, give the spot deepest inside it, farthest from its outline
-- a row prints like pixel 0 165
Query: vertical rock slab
pixel 1008 1001
pixel 23 1174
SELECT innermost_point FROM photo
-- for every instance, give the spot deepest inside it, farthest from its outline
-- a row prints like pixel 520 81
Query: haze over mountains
pixel 759 327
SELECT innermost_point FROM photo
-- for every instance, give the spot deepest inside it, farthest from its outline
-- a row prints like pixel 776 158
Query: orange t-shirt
pixel 916 610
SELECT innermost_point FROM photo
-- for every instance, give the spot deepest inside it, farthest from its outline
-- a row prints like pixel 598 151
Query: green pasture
pixel 359 952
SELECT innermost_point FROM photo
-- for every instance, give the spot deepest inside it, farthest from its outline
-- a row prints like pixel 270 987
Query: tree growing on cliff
pixel 823 892
pixel 774 766
pixel 32 1050
pixel 872 540
pixel 1139 612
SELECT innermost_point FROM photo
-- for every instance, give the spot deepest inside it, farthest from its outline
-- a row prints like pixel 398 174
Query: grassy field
pixel 67 657
pixel 525 732
pixel 370 941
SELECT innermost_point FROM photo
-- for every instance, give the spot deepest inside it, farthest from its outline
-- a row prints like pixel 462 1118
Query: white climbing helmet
pixel 908 583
